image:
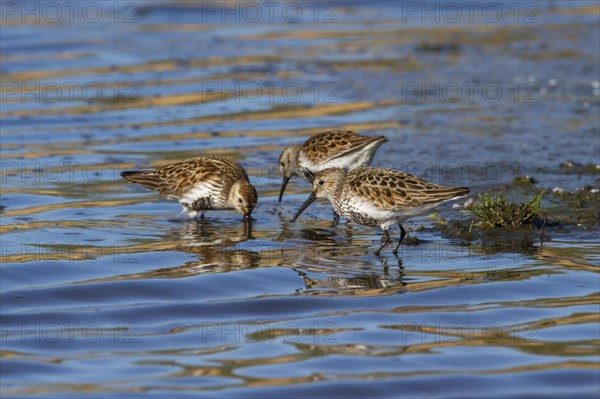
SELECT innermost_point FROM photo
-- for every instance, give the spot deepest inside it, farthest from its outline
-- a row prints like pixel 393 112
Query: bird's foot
pixel 336 219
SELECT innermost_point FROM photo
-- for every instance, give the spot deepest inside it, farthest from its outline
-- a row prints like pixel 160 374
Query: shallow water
pixel 107 290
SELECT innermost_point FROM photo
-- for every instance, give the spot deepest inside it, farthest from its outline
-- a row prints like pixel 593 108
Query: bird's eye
pixel 282 164
pixel 321 182
pixel 240 200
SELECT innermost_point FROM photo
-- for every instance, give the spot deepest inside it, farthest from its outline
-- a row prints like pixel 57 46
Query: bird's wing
pixel 178 178
pixel 335 143
pixel 393 189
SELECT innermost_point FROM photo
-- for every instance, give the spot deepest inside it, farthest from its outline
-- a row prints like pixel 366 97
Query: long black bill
pixel 283 186
pixel 247 225
pixel 311 198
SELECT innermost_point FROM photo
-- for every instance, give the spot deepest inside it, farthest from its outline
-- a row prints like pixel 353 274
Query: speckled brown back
pixel 335 143
pixel 390 189
pixel 177 178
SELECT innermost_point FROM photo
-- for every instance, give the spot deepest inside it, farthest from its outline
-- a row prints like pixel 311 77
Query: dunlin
pixel 201 184
pixel 335 148
pixel 379 197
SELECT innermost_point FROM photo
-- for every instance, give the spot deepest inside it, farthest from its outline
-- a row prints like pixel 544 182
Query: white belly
pixel 201 191
pixel 366 213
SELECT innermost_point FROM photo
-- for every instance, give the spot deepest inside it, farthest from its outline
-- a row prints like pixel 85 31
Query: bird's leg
pixel 385 240
pixel 402 235
pixel 336 219
pixel 386 269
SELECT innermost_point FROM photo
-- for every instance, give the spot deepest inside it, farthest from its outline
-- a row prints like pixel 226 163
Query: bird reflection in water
pixel 361 284
pixel 216 245
pixel 319 232
pixel 342 239
pixel 211 241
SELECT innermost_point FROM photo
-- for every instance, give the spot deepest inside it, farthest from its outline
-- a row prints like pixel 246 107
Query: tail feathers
pixel 144 178
pixel 461 191
pixel 377 139
pixel 447 193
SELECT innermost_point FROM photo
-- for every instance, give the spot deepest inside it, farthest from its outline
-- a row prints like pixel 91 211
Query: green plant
pixel 495 211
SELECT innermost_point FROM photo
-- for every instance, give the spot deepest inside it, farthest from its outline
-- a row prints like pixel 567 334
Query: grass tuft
pixel 495 211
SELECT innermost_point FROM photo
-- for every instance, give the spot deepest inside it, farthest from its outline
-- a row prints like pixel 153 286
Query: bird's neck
pixel 233 193
pixel 335 196
pixel 295 160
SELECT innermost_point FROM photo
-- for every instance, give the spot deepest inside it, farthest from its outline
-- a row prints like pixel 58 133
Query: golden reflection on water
pixel 330 264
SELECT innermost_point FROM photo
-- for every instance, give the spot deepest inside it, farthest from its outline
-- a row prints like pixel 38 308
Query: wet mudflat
pixel 108 291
